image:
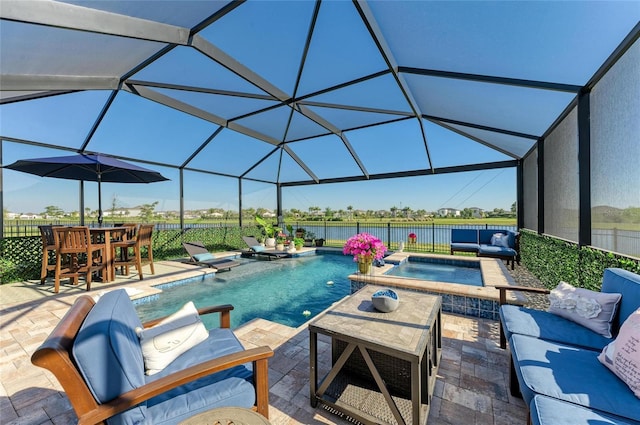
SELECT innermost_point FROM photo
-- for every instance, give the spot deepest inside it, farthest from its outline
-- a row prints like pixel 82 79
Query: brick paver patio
pixel 472 385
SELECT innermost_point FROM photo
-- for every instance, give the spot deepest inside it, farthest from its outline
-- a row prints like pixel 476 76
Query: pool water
pixel 461 272
pixel 279 291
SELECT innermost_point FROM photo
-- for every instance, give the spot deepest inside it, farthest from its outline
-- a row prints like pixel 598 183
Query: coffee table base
pixel 361 400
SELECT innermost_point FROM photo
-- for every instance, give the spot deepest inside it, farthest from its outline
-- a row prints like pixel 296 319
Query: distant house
pixel 444 212
pixel 122 212
pixel 29 216
pixel 269 214
pixel 477 212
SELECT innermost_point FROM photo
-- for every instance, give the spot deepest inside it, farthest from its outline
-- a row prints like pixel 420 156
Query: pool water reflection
pixel 288 291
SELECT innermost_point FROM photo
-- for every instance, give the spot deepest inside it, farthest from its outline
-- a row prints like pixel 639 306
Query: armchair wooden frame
pixel 55 355
pixel 503 300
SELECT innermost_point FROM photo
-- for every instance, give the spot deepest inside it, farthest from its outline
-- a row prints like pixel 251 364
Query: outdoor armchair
pixel 95 354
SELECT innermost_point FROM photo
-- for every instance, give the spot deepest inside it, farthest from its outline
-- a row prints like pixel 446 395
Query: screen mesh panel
pixel 561 180
pixel 530 190
pixel 615 151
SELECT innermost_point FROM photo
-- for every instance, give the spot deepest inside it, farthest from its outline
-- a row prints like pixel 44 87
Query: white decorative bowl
pixel 385 300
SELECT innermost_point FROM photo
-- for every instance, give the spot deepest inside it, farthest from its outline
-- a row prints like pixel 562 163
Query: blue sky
pixel 485 189
pixel 509 39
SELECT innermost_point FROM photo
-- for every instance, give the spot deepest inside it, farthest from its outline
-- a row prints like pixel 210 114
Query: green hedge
pixel 20 257
pixel 552 260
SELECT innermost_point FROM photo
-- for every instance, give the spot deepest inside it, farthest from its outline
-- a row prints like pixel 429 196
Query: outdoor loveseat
pixel 554 360
pixel 96 355
pixel 487 243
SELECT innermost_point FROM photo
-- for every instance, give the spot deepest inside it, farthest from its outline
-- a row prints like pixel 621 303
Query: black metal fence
pixel 21 251
pixel 18 228
pixel 430 237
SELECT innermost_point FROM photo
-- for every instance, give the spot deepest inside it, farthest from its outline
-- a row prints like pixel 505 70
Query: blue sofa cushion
pixel 108 354
pixel 485 235
pixel 626 283
pixel 464 236
pixel 512 238
pixel 467 247
pixel 232 387
pixel 542 324
pixel 571 374
pixel 550 411
pixel 493 250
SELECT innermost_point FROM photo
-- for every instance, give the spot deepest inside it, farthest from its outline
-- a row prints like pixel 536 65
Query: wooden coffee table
pixel 384 365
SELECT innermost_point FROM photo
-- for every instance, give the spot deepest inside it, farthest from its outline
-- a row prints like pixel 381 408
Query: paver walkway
pixel 472 385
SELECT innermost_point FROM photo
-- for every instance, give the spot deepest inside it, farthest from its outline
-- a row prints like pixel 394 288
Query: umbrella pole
pixel 99 200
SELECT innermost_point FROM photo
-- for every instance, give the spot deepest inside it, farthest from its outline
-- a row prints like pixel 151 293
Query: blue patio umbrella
pixel 89 167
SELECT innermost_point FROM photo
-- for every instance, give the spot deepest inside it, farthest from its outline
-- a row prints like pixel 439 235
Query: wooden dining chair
pixel 76 255
pixel 143 245
pixel 121 245
pixel 48 251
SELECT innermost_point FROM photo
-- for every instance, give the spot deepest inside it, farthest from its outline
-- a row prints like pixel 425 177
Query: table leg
pixel 416 390
pixel 108 257
pixel 313 367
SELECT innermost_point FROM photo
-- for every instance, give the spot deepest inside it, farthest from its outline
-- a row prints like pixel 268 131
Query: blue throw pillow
pixel 204 256
pixel 257 248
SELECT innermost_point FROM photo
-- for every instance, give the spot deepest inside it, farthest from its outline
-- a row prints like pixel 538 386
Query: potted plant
pixel 280 241
pixel 365 248
pixel 298 242
pixel 269 229
pixel 319 241
pixel 412 237
pixel 308 238
pixel 300 232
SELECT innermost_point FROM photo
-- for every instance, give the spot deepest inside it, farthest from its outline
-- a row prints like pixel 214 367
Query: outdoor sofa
pixel 554 360
pixel 487 243
pixel 96 354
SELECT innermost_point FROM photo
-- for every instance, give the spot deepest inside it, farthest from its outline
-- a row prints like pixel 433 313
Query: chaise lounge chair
pixel 199 255
pixel 259 251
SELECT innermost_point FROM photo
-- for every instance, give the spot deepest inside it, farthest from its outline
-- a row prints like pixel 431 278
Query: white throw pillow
pixel 164 342
pixel 622 356
pixel 593 310
pixel 500 239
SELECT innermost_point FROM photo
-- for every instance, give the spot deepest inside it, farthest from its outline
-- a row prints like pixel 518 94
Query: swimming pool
pixel 470 300
pixel 280 291
pixel 451 271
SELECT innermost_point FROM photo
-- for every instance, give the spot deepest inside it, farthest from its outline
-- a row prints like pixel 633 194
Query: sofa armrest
pixel 503 300
pixel 504 288
pixel 259 356
pixel 224 310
